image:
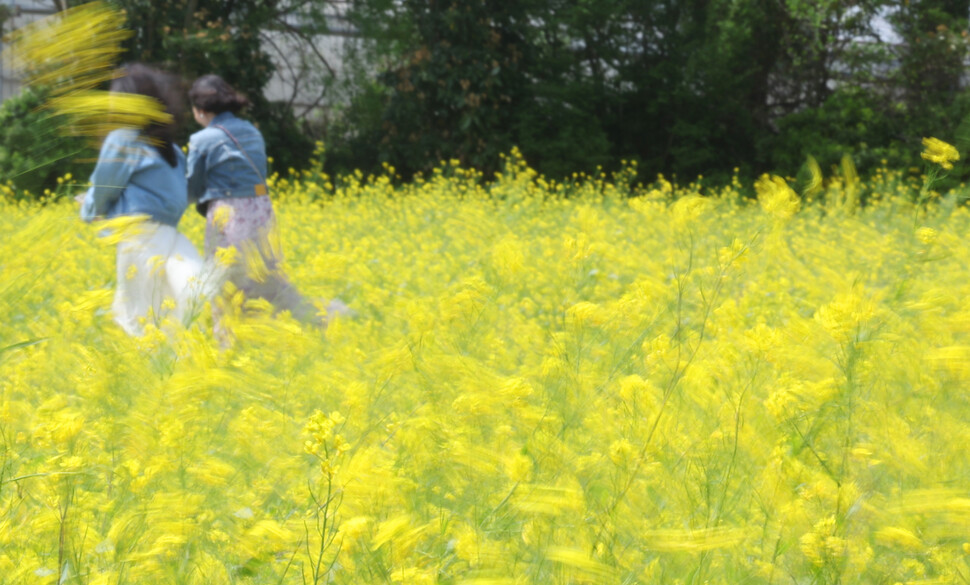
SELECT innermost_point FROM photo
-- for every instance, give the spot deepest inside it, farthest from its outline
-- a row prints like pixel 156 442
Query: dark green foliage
pixel 561 137
pixel 687 87
pixel 469 81
pixel 34 152
pixel 581 84
pixel 852 121
pixel 358 131
pixel 460 89
pixel 286 142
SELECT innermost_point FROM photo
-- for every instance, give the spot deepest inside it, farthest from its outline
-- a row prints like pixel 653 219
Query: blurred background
pixel 686 88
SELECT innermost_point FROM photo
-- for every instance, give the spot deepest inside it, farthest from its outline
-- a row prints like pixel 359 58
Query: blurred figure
pixel 227 181
pixel 140 174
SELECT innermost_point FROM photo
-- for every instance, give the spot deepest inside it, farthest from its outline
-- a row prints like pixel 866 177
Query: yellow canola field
pixel 666 388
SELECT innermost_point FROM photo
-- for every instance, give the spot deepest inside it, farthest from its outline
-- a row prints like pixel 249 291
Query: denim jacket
pixel 132 178
pixel 218 168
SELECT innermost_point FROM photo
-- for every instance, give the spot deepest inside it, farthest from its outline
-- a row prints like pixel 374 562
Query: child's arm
pixel 110 177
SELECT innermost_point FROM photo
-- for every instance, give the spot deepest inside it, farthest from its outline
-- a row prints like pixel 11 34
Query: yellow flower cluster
pixel 776 197
pixel 940 153
pixel 74 49
pixel 544 383
pixel 71 54
pixel 323 442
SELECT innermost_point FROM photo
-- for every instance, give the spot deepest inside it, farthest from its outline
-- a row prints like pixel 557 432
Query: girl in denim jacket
pixel 227 182
pixel 140 172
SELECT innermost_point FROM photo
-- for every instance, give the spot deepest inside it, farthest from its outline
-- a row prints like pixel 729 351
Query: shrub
pixel 33 150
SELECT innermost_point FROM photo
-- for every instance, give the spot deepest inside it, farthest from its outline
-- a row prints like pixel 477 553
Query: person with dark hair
pixel 141 173
pixel 227 181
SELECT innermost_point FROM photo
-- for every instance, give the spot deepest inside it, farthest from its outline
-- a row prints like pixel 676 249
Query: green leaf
pixel 22 345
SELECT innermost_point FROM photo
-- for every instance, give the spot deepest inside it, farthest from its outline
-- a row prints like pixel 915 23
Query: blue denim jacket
pixel 132 178
pixel 218 168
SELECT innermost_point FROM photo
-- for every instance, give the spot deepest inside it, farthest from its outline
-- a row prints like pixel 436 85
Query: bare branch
pixel 295 31
pixel 287 64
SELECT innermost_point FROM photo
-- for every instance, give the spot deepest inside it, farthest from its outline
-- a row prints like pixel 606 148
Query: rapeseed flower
pixel 927 235
pixel 692 540
pixel 587 569
pixel 940 153
pixel 776 197
pixel 815 182
pixel 532 375
pixel 74 49
pixel 899 537
pixel 73 52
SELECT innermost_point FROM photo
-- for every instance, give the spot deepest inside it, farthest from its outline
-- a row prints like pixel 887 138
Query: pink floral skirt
pixel 249 225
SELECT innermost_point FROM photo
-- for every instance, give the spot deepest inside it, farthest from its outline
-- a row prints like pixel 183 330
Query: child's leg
pixel 280 292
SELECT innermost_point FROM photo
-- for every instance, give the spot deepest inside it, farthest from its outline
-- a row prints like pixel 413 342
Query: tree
pixel 575 84
pixel 686 86
pixel 456 80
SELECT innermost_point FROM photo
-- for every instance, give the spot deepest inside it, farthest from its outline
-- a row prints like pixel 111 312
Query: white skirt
pixel 160 276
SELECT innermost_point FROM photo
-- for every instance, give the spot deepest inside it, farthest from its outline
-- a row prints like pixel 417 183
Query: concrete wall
pixel 23 12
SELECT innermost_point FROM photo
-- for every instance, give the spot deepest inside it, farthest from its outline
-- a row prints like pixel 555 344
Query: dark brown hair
pixel 140 79
pixel 211 93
